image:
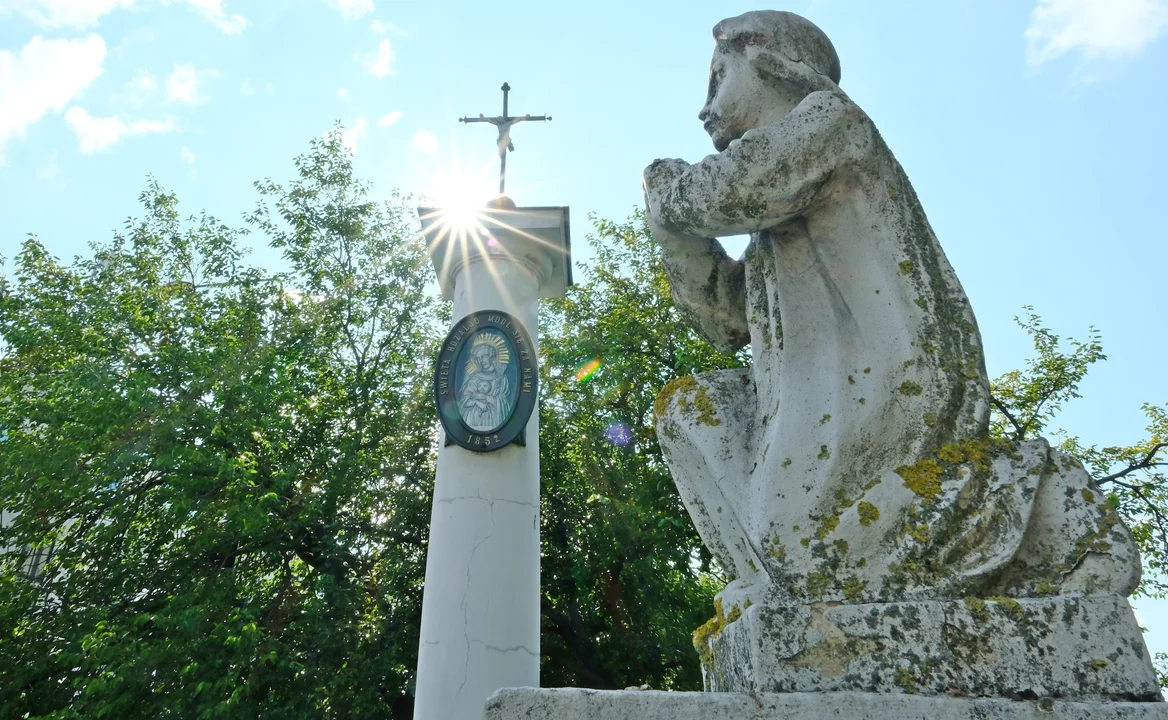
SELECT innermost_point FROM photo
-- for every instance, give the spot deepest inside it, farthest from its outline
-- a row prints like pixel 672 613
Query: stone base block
pixel 579 704
pixel 1080 648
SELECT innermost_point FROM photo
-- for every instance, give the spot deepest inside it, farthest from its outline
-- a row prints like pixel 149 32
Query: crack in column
pixel 466 593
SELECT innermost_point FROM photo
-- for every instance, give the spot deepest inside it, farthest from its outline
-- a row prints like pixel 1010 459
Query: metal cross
pixel 504 123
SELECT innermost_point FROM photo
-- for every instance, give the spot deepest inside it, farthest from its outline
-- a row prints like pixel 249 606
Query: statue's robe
pixel 852 460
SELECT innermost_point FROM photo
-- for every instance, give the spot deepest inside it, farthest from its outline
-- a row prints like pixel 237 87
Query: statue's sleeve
pixel 709 287
pixel 769 175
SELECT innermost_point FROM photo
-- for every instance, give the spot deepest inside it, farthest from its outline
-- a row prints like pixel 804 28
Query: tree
pixel 232 467
pixel 626 579
pixel 1025 401
pixel 216 478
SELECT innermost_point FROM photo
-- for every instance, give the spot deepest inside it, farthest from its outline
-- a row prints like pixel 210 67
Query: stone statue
pixel 850 467
pixel 485 400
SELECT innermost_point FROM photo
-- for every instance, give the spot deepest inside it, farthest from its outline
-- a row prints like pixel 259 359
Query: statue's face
pixel 738 99
pixel 485 358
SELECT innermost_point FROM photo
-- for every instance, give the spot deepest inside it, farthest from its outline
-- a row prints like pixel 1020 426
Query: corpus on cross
pixel 504 123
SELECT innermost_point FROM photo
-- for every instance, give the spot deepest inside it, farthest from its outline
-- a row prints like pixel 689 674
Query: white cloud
pixel 381 63
pixel 182 85
pixel 351 9
pixel 86 13
pixel 186 154
pixel 389 118
pixel 216 14
pixel 63 13
pixel 44 76
pixel 95 133
pixel 343 94
pixel 381 27
pixel 426 142
pixel 1096 28
pixel 141 87
pixel 246 88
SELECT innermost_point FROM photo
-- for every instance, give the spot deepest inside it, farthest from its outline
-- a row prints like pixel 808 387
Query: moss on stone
pixel 908 387
pixel 827 527
pixel 854 588
pixel 906 267
pixel 923 478
pixel 824 453
pixel 977 608
pixel 868 512
pixel 1088 495
pixel 673 387
pixel 706 409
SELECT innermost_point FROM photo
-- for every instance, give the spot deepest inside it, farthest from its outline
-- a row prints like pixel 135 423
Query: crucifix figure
pixel 504 123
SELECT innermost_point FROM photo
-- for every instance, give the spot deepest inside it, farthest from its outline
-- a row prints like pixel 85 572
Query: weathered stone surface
pixel 852 459
pixel 851 464
pixel 1063 647
pixel 579 704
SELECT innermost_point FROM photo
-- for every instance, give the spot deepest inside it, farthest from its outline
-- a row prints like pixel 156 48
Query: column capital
pixel 536 239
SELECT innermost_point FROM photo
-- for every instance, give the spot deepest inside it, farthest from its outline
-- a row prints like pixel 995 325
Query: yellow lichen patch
pixel 674 386
pixel 714 627
pixel 923 478
pixel 706 409
pixel 1012 607
pixel 951 453
pixel 868 512
pixel 679 386
pixel 817 584
pixel 854 589
pixel 977 608
pixel 920 533
pixel 908 387
pixel 829 524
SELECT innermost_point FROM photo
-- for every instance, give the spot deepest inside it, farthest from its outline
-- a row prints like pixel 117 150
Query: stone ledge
pixel 581 704
pixel 1076 648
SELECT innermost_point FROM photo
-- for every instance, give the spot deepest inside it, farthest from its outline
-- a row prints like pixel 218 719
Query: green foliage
pixel 232 469
pixel 215 479
pixel 626 579
pixel 1024 402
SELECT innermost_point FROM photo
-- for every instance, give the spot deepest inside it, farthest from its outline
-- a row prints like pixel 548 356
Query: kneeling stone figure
pixel 877 538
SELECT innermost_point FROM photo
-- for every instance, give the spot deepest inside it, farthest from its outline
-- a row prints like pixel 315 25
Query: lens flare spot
pixel 619 434
pixel 587 369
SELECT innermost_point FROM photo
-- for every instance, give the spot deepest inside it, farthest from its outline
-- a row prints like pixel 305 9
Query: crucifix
pixel 504 123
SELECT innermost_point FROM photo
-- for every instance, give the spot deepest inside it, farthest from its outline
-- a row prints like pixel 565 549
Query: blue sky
pixel 1033 130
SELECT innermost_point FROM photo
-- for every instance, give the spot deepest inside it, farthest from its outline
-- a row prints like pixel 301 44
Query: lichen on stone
pixel 923 478
pixel 908 387
pixel 868 512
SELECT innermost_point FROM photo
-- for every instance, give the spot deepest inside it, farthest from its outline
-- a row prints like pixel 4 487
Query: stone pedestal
pixel 480 609
pixel 1082 648
pixel 579 704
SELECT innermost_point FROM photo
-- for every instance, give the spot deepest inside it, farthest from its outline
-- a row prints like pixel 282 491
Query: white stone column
pixel 481 605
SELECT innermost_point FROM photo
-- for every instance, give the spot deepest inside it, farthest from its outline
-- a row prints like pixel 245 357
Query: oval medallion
pixel 485 381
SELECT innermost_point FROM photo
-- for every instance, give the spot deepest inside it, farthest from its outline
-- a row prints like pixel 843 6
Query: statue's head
pixel 485 356
pixel 764 64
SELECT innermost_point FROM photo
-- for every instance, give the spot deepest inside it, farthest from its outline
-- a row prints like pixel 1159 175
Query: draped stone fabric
pixel 852 461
